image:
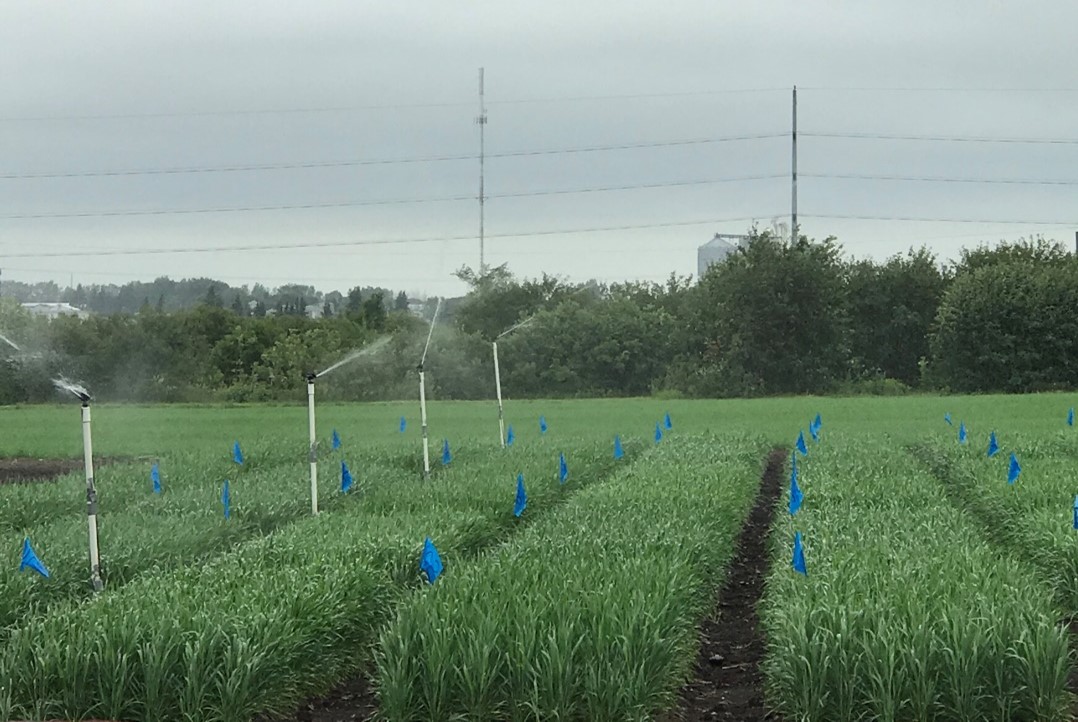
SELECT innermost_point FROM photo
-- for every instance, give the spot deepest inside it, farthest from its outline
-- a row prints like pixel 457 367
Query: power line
pixel 386 201
pixel 377 106
pixel 943 138
pixel 391 161
pixel 932 89
pixel 986 221
pixel 941 179
pixel 368 242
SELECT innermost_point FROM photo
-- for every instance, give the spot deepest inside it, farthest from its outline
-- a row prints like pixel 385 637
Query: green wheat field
pixel 935 589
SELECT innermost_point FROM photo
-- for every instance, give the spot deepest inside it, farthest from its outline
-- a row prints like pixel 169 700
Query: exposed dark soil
pixel 727 682
pixel 352 701
pixel 28 469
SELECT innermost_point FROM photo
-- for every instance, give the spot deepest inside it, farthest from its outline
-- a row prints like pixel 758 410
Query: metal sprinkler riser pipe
pixel 313 448
pixel 91 495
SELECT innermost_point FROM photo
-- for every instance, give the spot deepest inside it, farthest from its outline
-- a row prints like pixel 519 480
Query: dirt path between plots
pixel 21 469
pixel 727 682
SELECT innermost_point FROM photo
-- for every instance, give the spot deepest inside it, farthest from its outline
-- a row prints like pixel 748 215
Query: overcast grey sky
pixel 119 86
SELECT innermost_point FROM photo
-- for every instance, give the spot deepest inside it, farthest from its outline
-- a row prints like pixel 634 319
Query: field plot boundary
pixel 355 695
pixel 596 605
pixel 727 680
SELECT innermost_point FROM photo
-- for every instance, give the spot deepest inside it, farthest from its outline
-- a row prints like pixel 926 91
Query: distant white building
pixel 54 310
pixel 716 250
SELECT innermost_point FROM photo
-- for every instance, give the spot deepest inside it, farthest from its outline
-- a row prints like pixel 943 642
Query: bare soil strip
pixel 728 683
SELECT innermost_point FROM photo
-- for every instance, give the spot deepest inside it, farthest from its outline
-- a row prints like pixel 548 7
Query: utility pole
pixel 482 120
pixel 793 172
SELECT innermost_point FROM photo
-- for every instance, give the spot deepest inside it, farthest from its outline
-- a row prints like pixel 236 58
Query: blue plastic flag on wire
pixel 795 490
pixel 799 555
pixel 993 445
pixel 962 433
pixel 563 469
pixel 618 451
pixel 658 432
pixel 818 422
pixel 542 424
pixel 1070 417
pixel 1014 470
pixel 510 437
pixel 801 443
pixel 237 455
pixel 226 500
pixel 521 502
pixel 404 424
pixel 30 560
pixel 666 421
pixel 1076 511
pixel 947 418
pixel 446 456
pixel 346 478
pixel 336 440
pixel 814 433
pixel 430 562
pixel 155 477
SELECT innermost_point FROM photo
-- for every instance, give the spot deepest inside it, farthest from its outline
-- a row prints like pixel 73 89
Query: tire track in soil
pixel 727 683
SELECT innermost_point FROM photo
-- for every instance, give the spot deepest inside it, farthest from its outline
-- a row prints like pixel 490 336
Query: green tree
pixel 212 298
pixel 374 312
pixel 401 303
pixel 1009 326
pixel 770 319
pixel 892 309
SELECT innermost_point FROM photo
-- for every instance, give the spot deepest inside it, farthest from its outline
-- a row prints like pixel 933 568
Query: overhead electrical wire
pixel 938 138
pixel 367 242
pixel 944 179
pixel 384 201
pixel 387 161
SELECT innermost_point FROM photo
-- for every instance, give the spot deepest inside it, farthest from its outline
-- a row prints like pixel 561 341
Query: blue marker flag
pixel 947 418
pixel 542 424
pixel 1014 471
pixel 799 555
pixel 430 562
pixel 510 437
pixel 1076 511
pixel 666 421
pixel 993 445
pixel 404 424
pixel 563 469
pixel 801 443
pixel 618 451
pixel 30 560
pixel 346 478
pixel 336 440
pixel 962 433
pixel 814 432
pixel 155 477
pixel 1070 417
pixel 658 432
pixel 795 490
pixel 237 455
pixel 226 501
pixel 446 456
pixel 818 421
pixel 521 502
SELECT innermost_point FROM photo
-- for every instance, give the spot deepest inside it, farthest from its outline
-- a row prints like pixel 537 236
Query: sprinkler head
pixel 419 368
pixel 311 376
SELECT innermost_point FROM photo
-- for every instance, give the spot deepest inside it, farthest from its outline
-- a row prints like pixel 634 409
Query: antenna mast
pixel 482 120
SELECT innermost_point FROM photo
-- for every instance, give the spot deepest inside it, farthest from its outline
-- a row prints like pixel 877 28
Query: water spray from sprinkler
pixel 423 392
pixel 498 376
pixel 9 342
pixel 84 397
pixel 313 448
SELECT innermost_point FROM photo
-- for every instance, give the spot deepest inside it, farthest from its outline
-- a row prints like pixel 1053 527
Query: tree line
pixel 774 318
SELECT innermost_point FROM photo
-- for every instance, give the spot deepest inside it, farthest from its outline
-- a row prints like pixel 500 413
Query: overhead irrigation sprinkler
pixel 498 377
pixel 91 492
pixel 313 449
pixel 423 392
